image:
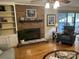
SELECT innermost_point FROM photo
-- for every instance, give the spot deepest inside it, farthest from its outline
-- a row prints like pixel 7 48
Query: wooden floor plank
pixel 38 50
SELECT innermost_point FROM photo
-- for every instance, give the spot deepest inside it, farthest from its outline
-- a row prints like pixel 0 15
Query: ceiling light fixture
pixel 47 5
pixel 56 5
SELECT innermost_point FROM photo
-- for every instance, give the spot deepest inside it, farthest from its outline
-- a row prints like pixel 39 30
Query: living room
pixel 39 29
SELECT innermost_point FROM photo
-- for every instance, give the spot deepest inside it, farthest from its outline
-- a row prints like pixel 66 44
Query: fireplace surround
pixel 29 34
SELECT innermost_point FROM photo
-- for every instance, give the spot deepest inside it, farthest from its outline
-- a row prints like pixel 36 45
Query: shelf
pixel 7 22
pixel 6 11
pixel 31 21
pixel 7 28
pixel 6 16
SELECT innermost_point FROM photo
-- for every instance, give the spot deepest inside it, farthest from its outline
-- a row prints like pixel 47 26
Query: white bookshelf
pixel 7 20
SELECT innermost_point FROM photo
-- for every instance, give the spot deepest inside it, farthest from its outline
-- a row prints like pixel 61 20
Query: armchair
pixel 67 36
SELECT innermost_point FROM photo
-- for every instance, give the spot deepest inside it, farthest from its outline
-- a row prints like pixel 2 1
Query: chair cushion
pixel 8 54
pixel 1 51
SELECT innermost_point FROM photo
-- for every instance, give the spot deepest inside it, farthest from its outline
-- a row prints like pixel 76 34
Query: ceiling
pixel 74 3
pixel 41 2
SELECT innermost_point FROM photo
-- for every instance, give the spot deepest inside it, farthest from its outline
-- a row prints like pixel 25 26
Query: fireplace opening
pixel 29 34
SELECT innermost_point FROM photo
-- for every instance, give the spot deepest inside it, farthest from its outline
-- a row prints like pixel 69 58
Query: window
pixel 77 23
pixel 65 19
pixel 68 19
pixel 61 22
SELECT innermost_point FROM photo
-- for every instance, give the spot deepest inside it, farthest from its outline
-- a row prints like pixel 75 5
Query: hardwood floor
pixel 38 50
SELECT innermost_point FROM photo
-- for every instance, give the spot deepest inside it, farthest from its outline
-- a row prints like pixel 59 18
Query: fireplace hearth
pixel 29 34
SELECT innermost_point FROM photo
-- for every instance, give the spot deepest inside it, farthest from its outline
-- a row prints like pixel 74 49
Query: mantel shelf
pixel 31 21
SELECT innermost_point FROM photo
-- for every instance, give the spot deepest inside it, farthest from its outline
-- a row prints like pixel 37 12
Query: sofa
pixel 6 52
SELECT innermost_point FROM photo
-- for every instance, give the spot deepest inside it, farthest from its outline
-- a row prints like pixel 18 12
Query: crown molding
pixel 28 4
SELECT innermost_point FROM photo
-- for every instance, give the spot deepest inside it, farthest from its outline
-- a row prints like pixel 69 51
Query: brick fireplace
pixel 32 24
pixel 29 34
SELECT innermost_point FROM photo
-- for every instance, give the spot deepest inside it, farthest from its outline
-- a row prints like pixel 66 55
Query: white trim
pixel 6 3
pixel 28 4
pixel 33 41
pixel 15 16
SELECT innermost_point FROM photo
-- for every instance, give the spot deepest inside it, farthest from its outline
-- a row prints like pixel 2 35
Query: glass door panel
pixel 61 21
pixel 70 21
pixel 77 23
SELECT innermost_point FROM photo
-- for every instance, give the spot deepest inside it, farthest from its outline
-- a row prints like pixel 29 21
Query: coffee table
pixel 62 54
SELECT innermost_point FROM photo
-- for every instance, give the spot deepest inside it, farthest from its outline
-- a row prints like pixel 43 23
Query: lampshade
pixel 56 5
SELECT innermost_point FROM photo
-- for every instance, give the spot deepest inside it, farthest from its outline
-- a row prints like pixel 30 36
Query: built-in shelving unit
pixel 7 20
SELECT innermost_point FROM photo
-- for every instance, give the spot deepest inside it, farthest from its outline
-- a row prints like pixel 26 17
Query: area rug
pixel 62 54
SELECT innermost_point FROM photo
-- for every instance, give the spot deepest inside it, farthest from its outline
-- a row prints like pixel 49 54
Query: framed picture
pixel 31 13
pixel 51 19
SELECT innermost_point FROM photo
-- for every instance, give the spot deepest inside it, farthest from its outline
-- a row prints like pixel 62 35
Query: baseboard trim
pixel 32 42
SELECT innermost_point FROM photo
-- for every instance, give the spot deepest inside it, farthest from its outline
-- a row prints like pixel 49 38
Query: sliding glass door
pixel 62 18
pixel 68 19
pixel 77 23
pixel 65 19
pixel 71 19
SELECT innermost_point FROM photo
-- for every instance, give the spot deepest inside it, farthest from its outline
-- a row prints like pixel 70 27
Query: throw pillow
pixel 1 52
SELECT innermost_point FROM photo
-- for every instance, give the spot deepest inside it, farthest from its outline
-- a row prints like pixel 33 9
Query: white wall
pixel 49 29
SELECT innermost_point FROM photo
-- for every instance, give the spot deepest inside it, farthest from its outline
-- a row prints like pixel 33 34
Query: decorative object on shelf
pixel 51 19
pixel 32 18
pixel 39 19
pixel 31 13
pixel 4 20
pixel 28 19
pixel 22 19
pixel 2 8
